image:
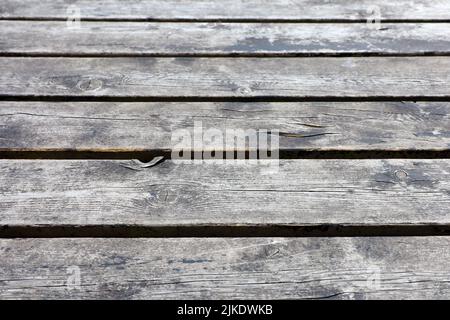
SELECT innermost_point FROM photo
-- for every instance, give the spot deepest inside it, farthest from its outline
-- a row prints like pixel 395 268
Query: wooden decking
pixel 357 208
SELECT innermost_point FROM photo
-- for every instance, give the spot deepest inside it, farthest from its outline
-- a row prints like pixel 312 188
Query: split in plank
pixel 150 126
pixel 221 39
pixel 269 268
pixel 302 193
pixel 299 78
pixel 235 10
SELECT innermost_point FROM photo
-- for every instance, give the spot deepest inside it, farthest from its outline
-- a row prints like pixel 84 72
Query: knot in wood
pixel 401 174
pixel 90 84
pixel 244 90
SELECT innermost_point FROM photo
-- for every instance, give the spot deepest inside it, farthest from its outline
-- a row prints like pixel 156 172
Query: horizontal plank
pixel 150 126
pixel 349 10
pixel 357 77
pixel 269 268
pixel 128 38
pixel 301 193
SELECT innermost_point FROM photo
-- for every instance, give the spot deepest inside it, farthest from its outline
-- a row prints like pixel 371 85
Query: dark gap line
pixel 223 55
pixel 87 98
pixel 210 231
pixel 223 20
pixel 284 154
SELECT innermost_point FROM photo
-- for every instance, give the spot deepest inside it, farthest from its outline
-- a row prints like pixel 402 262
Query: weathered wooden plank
pixel 300 193
pixel 151 126
pixel 194 268
pixel 350 10
pixel 226 77
pixel 128 38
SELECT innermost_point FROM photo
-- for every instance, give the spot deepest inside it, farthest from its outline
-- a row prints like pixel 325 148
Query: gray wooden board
pixel 318 77
pixel 350 10
pixel 195 268
pixel 114 126
pixel 235 193
pixel 128 38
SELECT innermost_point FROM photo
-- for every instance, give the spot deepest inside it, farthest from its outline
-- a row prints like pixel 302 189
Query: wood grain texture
pixel 65 199
pixel 269 268
pixel 356 77
pixel 301 193
pixel 128 38
pixel 148 126
pixel 349 10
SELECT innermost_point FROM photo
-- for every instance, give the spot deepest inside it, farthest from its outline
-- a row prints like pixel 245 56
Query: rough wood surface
pixel 302 192
pixel 126 199
pixel 128 38
pixel 151 125
pixel 350 10
pixel 269 268
pixel 356 77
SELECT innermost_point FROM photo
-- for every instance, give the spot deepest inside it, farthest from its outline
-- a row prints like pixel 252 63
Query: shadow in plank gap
pixel 148 156
pixel 226 231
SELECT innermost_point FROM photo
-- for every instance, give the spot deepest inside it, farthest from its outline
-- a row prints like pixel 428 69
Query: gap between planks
pixel 148 155
pixel 106 98
pixel 226 20
pixel 224 55
pixel 223 231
